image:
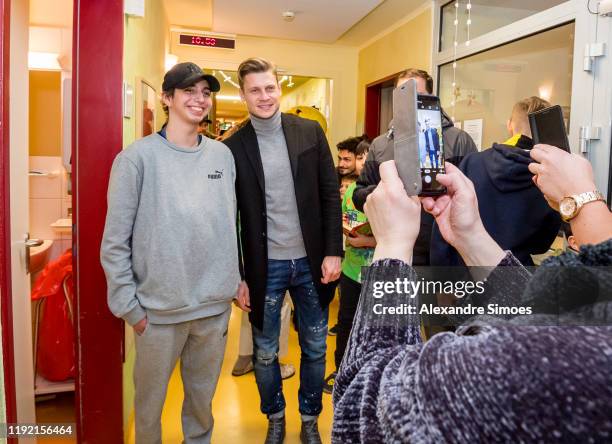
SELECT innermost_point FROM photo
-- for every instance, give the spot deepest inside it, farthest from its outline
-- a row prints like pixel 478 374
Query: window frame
pixel 587 108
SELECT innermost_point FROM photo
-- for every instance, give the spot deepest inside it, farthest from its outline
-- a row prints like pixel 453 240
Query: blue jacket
pixel 435 140
pixel 513 210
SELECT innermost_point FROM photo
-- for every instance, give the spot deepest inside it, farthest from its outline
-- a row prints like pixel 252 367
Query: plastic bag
pixel 56 339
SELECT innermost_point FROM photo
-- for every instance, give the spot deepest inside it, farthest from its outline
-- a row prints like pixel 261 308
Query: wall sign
pixel 208 41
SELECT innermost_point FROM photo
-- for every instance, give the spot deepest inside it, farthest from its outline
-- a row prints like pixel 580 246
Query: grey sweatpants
pixel 200 344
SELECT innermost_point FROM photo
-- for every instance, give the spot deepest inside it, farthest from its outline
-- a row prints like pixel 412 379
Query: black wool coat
pixel 318 202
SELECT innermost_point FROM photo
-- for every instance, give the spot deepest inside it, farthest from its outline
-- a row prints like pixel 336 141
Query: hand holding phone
pixel 548 127
pixel 418 142
pixel 431 144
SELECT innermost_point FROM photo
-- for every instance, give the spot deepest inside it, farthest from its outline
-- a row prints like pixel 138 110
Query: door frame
pixel 6 303
pixel 97 132
pixel 371 125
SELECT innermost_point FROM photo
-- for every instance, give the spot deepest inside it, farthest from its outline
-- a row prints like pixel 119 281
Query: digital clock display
pixel 207 41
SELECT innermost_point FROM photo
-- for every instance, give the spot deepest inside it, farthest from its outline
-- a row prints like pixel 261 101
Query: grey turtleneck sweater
pixel 284 231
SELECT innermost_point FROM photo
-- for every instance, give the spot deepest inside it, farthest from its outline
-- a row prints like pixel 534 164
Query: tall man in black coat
pixel 290 238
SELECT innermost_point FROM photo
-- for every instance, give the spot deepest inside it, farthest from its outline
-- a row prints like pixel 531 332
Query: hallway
pixel 236 402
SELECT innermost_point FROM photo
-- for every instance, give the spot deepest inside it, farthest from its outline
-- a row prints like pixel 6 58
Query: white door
pixel 19 195
pixel 599 151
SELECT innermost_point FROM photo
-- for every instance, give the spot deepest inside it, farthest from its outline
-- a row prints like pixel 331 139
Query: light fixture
pixel 228 79
pixel 290 84
pixel 545 92
pixel 288 15
pixel 227 97
pixel 170 61
pixel 47 61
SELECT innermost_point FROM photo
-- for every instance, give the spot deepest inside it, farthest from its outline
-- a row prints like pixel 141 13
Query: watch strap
pixel 587 197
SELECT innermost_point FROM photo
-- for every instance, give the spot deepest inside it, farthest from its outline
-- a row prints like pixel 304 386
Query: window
pixel 488 84
pixel 487 16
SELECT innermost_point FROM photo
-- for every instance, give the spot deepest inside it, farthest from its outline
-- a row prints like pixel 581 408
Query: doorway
pixel 308 97
pixel 379 106
pixel 94 136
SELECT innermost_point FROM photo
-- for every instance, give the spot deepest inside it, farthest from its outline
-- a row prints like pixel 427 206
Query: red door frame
pixel 97 120
pixel 371 124
pixel 6 301
pixel 97 138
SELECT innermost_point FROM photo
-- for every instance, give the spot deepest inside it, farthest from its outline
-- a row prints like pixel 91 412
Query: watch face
pixel 567 207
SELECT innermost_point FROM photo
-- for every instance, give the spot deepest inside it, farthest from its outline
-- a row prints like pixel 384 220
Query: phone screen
pixel 431 144
pixel 548 126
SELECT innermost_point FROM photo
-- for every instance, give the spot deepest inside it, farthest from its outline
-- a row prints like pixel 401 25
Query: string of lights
pixel 455 44
pixel 455 88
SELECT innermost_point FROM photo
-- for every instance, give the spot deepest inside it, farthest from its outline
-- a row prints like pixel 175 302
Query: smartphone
pixel 431 144
pixel 548 126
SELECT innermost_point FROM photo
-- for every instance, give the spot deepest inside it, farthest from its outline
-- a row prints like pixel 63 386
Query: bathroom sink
pixel 62 225
pixel 39 256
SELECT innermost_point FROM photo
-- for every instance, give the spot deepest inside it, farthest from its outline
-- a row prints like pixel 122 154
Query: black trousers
pixel 349 298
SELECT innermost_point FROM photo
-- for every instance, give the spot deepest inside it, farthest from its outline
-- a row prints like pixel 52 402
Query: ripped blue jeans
pixel 311 323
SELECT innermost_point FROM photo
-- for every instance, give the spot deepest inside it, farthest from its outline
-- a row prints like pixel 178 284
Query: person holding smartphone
pixel 456 142
pixel 513 210
pixel 555 382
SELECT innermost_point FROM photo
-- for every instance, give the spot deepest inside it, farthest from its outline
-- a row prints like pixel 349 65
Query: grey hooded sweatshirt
pixel 168 249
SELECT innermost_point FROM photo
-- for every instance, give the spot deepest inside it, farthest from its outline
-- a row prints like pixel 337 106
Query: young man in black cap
pixel 170 273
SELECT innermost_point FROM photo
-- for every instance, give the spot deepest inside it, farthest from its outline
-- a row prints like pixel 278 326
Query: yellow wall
pixel 145 46
pixel 314 92
pixel 45 113
pixel 334 62
pixel 408 46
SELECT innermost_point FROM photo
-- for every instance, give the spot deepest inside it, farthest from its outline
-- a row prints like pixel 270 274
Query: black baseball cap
pixel 187 74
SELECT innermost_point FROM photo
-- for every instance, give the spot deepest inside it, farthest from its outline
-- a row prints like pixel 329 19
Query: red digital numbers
pixel 203 41
pixel 200 40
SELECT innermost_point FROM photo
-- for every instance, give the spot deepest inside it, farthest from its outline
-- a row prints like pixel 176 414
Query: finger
pixel 452 181
pixel 538 154
pixel 451 168
pixel 535 168
pixel 457 176
pixel 440 205
pixel 545 147
pixel 428 203
pixel 388 172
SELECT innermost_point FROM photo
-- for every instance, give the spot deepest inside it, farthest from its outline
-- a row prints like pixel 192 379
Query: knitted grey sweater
pixel 510 383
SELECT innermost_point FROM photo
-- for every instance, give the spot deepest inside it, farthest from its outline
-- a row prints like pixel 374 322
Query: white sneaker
pixel 287 371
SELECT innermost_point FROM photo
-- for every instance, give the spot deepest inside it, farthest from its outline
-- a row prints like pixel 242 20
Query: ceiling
pixel 321 21
pixel 190 13
pixel 379 19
